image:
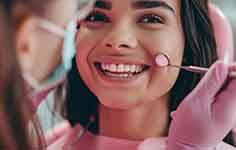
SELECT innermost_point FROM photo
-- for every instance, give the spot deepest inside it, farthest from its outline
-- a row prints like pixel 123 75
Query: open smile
pixel 121 71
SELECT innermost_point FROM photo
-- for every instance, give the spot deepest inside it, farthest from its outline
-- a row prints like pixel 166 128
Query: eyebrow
pixel 145 4
pixel 137 4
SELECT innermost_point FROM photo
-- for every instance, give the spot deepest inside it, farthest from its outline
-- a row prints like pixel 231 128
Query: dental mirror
pixel 163 60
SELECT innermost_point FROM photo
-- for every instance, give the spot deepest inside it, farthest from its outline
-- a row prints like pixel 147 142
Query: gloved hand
pixel 207 114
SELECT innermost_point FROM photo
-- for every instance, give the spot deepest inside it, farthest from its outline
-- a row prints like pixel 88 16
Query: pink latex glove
pixel 207 114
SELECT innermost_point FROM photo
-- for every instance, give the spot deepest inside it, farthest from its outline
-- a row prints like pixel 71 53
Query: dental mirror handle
pixel 201 70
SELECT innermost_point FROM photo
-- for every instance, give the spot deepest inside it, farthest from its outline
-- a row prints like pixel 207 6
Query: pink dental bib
pixel 71 141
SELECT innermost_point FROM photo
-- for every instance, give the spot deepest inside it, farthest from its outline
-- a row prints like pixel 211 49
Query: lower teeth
pixel 118 75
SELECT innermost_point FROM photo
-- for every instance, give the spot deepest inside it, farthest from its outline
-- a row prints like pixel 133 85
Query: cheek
pixel 83 48
pixel 170 42
pixel 163 79
pixel 86 42
pixel 173 46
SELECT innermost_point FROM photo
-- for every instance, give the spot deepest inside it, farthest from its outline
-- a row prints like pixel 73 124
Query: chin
pixel 119 102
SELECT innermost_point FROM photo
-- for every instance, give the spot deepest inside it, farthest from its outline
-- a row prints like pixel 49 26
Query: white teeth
pixel 133 68
pixel 126 68
pixel 112 67
pixel 138 69
pixel 118 75
pixel 122 68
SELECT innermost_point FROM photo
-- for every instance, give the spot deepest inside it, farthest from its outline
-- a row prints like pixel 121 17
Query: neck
pixel 138 123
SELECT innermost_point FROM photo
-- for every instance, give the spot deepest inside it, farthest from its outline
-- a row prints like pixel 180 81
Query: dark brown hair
pixel 15 114
pixel 200 50
pixel 13 109
pixel 22 9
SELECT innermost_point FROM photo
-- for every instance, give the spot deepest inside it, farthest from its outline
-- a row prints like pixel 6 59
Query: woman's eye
pixel 151 18
pixel 97 17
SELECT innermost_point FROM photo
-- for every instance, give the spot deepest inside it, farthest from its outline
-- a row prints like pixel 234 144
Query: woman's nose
pixel 121 37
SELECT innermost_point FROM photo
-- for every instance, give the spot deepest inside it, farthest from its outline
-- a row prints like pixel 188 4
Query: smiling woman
pixel 115 81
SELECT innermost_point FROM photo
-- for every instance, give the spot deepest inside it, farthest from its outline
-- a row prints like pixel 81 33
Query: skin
pixel 132 108
pixel 37 55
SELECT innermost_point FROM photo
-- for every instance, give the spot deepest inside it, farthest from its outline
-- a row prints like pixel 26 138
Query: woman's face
pixel 116 47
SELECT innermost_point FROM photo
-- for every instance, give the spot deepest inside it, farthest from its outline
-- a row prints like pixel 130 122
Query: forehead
pixel 170 6
pixel 109 4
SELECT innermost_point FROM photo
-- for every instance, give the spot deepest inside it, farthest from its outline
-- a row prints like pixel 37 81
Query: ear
pixel 24 43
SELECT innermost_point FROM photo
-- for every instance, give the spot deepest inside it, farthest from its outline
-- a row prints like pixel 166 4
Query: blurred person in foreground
pixel 14 107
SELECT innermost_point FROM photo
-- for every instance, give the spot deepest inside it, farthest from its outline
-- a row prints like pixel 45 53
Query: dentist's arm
pixel 207 114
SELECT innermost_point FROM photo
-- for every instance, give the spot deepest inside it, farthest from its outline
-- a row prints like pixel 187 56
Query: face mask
pixel 68 49
pixel 68 52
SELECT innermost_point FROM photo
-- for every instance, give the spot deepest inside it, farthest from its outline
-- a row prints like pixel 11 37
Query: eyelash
pixel 100 17
pixel 97 17
pixel 151 18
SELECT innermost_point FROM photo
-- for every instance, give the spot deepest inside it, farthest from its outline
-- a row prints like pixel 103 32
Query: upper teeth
pixel 122 68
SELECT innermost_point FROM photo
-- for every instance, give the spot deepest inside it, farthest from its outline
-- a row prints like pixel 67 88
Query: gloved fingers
pixel 232 67
pixel 225 104
pixel 211 83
